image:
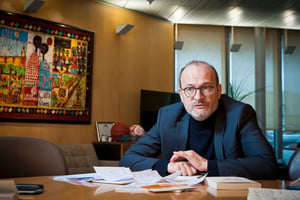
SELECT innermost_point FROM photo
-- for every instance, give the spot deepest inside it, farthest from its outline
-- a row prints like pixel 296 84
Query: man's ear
pixel 180 94
pixel 219 92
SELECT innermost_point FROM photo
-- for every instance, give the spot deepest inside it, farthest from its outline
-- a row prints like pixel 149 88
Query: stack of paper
pixel 150 180
pixel 147 180
pixel 114 175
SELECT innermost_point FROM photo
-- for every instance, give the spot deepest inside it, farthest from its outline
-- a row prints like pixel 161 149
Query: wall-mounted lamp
pixel 124 28
pixel 33 5
pixel 288 49
pixel 177 44
pixel 149 2
pixel 234 47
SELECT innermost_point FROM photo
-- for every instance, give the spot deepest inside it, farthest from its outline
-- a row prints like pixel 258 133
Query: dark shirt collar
pixel 209 122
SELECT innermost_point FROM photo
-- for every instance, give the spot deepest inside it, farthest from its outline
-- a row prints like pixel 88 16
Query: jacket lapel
pixel 182 132
pixel 218 136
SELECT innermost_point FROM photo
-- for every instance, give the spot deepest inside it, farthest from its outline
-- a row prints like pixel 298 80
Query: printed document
pixel 123 175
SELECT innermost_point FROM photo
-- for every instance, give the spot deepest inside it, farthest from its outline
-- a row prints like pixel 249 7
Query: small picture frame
pixel 103 131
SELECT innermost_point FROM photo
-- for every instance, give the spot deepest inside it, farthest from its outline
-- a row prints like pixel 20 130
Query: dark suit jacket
pixel 240 147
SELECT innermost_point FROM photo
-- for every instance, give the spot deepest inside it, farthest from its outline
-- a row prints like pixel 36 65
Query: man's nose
pixel 198 94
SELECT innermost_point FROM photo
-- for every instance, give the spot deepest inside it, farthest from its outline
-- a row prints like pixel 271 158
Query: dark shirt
pixel 201 137
pixel 201 140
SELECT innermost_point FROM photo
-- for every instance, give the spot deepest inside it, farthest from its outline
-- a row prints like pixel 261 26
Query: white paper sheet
pixel 123 175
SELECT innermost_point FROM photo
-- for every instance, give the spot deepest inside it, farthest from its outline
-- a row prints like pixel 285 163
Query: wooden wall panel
pixel 123 64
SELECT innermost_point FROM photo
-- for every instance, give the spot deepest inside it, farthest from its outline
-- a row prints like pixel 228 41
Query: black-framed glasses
pixel 205 90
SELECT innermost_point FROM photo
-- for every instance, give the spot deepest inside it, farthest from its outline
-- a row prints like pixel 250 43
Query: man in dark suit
pixel 205 132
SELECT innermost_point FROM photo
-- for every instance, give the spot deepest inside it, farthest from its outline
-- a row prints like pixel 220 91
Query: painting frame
pixel 68 54
pixel 104 130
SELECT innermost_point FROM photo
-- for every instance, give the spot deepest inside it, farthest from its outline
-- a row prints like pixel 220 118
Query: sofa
pixel 81 158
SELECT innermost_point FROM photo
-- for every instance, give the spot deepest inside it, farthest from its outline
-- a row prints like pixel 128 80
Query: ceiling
pixel 254 13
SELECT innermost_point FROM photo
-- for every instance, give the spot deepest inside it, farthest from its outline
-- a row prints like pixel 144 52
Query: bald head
pixel 198 63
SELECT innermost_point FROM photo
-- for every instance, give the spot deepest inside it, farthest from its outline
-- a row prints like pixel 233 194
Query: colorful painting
pixel 45 70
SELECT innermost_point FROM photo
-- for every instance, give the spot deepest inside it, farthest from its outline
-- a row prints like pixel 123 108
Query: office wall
pixel 202 42
pixel 123 64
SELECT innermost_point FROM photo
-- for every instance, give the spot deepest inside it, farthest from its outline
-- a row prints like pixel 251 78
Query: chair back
pixel 25 156
pixel 294 166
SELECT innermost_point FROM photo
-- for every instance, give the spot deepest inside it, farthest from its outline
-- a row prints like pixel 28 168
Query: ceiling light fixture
pixel 289 17
pixel 235 15
pixel 149 2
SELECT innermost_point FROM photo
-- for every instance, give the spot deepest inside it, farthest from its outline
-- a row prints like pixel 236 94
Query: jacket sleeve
pixel 143 154
pixel 158 143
